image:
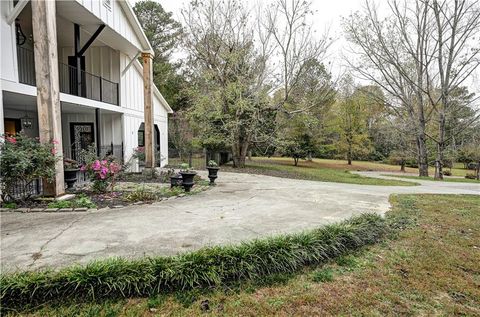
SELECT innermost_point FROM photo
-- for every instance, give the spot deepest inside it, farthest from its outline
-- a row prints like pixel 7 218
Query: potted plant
pixel 70 170
pixel 212 168
pixel 175 180
pixel 187 176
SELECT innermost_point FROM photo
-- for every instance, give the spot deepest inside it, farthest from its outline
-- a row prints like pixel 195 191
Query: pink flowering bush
pixel 25 159
pixel 139 154
pixel 102 173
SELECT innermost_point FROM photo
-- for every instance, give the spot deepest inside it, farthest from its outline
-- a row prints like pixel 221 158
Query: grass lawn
pixel 457 170
pixel 430 267
pixel 445 179
pixel 319 170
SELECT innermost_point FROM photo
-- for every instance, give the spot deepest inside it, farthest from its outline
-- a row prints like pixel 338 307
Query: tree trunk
pixel 478 170
pixel 309 157
pixel 349 154
pixel 295 160
pixel 239 151
pixel 440 148
pixel 402 166
pixel 422 155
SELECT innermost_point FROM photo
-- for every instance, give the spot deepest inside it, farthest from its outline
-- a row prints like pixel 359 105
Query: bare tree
pixel 295 44
pixel 457 54
pixel 228 69
pixel 394 54
pixel 232 56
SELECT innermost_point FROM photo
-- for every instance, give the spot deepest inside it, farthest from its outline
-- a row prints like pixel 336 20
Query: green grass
pixel 445 179
pixel 339 173
pixel 197 162
pixel 427 266
pixel 208 267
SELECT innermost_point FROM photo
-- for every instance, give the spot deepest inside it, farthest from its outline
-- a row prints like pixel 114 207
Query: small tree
pixel 25 159
pixel 298 148
pixel 352 122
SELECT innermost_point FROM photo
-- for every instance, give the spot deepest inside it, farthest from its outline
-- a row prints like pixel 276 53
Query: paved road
pixel 241 207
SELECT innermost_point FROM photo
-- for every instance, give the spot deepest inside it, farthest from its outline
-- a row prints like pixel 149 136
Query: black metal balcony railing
pixel 26 66
pixel 92 86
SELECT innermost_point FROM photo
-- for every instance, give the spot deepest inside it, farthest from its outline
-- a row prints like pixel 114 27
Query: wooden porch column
pixel 148 109
pixel 46 74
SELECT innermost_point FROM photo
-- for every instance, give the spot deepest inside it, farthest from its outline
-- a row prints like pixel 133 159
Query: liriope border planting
pixel 208 267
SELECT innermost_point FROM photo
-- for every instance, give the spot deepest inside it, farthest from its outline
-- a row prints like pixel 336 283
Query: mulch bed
pixel 116 199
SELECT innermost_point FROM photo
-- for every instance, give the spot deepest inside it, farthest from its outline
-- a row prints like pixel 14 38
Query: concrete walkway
pixel 241 207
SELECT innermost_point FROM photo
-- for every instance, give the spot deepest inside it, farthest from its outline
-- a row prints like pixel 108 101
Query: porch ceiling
pixel 19 101
pixel 75 108
pixel 23 102
pixel 75 13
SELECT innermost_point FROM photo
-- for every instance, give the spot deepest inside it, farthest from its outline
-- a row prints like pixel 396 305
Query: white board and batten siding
pixel 131 96
pixel 8 53
pixel 111 126
pixel 114 16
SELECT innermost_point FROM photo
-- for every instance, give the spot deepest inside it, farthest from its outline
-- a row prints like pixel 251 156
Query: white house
pixel 111 102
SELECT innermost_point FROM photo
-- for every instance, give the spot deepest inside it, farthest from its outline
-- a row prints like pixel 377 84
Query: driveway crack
pixel 38 255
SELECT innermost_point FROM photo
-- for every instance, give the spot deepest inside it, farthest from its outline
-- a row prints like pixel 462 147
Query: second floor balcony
pixel 85 85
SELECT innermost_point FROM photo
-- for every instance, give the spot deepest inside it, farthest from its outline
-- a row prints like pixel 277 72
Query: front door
pixel 81 137
pixel 12 126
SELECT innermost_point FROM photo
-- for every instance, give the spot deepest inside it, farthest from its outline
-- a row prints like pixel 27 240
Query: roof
pixel 137 27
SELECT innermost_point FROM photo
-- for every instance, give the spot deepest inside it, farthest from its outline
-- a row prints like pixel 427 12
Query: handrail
pixel 92 86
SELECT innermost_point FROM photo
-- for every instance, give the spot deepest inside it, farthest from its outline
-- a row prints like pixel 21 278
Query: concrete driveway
pixel 241 207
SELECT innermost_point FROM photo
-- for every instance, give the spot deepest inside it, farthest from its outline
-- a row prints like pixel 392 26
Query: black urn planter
pixel 70 176
pixel 175 180
pixel 212 173
pixel 187 179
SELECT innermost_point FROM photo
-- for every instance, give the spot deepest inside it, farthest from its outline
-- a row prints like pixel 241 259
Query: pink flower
pixel 83 168
pixel 54 151
pixel 11 139
pixel 55 142
pixel 114 168
pixel 96 165
pixel 104 171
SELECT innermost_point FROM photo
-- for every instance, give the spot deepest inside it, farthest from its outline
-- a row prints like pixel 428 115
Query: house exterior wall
pixel 118 123
pixel 113 16
pixel 8 51
pixel 131 99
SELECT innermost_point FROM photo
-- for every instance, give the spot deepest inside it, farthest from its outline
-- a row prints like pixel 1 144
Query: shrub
pixel 10 205
pixel 447 173
pixel 212 163
pixel 102 173
pixel 60 204
pixel 139 154
pixel 141 194
pixel 24 158
pixel 83 201
pixel 471 176
pixel 207 267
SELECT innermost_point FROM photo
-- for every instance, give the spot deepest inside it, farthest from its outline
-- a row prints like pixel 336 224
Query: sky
pixel 327 15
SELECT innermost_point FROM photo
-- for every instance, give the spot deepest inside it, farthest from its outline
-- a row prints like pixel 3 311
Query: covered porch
pixel 82 126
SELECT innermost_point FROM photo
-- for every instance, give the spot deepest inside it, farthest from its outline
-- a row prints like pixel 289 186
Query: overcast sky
pixel 327 15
